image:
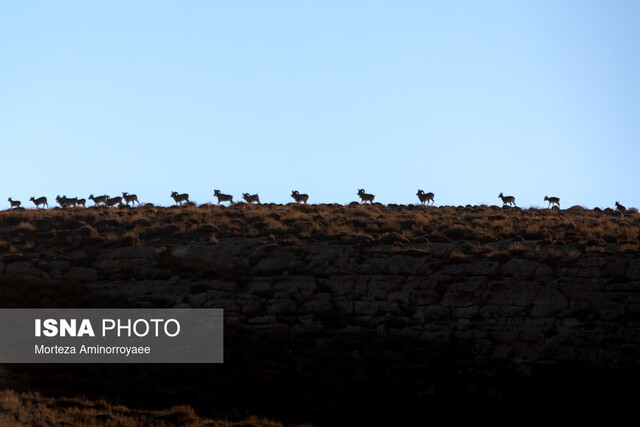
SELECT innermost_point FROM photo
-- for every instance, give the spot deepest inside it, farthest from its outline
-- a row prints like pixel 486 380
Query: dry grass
pixel 25 227
pixel 499 255
pixel 517 248
pixel 34 409
pixel 628 248
pixel 457 256
pixel 480 225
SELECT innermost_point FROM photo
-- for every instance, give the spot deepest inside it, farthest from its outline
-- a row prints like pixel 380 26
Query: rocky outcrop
pixel 519 310
pixel 373 309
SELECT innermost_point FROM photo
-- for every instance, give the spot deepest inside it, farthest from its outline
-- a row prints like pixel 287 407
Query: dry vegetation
pixel 487 230
pixel 36 410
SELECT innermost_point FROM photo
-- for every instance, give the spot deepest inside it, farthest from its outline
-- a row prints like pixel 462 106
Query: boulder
pixel 81 275
pixel 119 259
pixel 519 268
pixel 633 272
pixel 549 302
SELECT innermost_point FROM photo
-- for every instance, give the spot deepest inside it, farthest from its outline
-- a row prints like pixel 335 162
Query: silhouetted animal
pixel 223 197
pixel 63 202
pixel 71 201
pixel 39 201
pixel 552 201
pixel 299 197
pixel 112 201
pixel 81 202
pixel 130 198
pixel 179 198
pixel 508 200
pixel 365 197
pixel 250 198
pixel 620 208
pixel 424 197
pixel 100 199
pixel 14 203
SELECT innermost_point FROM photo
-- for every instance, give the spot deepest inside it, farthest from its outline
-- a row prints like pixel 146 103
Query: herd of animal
pixel 72 202
pixel 131 199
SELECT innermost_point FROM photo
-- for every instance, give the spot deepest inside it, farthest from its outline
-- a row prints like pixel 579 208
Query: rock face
pixel 541 313
pixel 368 312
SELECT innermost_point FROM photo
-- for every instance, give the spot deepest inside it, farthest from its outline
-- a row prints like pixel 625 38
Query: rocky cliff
pixel 395 309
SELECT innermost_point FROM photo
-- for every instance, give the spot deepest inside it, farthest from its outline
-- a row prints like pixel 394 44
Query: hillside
pixel 345 313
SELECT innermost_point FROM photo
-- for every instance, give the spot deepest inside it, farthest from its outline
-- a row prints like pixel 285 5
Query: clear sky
pixel 466 99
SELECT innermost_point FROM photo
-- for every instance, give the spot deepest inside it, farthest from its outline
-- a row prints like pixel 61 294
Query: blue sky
pixel 462 98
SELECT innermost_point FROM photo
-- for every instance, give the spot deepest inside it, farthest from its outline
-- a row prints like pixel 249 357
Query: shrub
pixel 499 255
pixel 517 248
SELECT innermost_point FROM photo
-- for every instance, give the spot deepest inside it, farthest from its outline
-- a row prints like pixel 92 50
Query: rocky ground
pixel 347 313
